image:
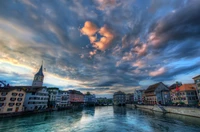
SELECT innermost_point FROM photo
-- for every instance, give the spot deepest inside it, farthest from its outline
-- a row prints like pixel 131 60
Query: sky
pixel 100 46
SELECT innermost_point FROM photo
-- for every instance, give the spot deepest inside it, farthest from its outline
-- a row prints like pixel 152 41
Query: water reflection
pixel 101 119
pixel 119 110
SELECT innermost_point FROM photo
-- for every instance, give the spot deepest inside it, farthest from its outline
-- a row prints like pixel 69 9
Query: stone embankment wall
pixel 195 112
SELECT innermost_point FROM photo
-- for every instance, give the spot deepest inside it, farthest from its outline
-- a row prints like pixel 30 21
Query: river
pixel 101 119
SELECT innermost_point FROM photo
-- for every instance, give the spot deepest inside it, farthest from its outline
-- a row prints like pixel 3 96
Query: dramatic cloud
pixel 89 29
pixel 100 45
pixel 105 40
pixel 179 25
pixel 158 72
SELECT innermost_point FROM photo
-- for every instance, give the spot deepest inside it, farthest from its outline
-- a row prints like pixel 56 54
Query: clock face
pixel 40 78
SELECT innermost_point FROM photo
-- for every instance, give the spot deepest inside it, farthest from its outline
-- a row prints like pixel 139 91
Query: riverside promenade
pixel 194 112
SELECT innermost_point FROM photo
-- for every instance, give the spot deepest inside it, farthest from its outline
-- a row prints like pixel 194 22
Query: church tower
pixel 38 78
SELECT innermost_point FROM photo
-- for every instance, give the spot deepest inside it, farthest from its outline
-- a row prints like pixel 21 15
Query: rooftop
pixel 196 77
pixel 186 87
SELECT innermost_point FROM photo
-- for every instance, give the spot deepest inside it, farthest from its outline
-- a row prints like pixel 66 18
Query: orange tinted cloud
pixel 157 72
pixel 141 50
pixel 139 64
pixel 89 28
pixel 106 39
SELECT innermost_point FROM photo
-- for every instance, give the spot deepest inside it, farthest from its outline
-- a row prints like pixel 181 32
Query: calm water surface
pixel 101 119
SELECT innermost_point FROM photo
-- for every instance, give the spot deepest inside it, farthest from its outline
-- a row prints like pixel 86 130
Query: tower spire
pixel 39 76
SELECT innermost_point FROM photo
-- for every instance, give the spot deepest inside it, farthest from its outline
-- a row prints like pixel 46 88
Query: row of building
pixel 37 97
pixel 159 93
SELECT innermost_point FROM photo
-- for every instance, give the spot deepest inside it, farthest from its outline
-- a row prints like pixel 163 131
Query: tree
pixel 88 93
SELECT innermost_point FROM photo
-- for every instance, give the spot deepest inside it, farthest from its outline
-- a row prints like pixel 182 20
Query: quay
pixel 187 111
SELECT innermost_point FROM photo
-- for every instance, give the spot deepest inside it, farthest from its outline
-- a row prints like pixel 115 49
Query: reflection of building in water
pixel 119 110
pixel 89 111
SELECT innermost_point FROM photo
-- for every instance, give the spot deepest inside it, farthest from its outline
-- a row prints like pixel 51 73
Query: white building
pixel 119 98
pixel 36 95
pixel 197 82
pixel 64 99
pixel 53 93
pixel 138 95
pixel 36 98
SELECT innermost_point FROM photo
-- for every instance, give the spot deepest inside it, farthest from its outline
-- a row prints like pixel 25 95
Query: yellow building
pixel 11 99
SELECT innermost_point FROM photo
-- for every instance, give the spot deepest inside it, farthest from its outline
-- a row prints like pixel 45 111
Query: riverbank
pixel 194 112
pixel 24 113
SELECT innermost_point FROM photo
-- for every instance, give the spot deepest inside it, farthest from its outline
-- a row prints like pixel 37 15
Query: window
pixel 21 94
pixel 18 104
pixel 19 99
pixel 192 93
pixel 12 99
pixel 1 104
pixel 9 109
pixel 4 93
pixel 193 98
pixel 19 90
pixel 2 98
pixel 198 85
pixel 14 94
pixel 11 104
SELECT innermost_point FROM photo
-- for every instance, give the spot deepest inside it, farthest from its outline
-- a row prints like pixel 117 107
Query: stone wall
pixel 195 112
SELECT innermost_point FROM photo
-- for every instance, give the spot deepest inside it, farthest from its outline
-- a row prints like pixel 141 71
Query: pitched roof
pixel 40 72
pixel 153 87
pixel 119 92
pixel 173 86
pixel 186 87
pixel 75 92
pixel 196 77
pixel 8 89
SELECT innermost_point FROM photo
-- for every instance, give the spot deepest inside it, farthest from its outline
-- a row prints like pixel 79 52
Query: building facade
pixel 129 98
pixel 90 99
pixel 64 99
pixel 185 95
pixel 157 94
pixel 53 92
pixel 197 83
pixel 75 97
pixel 36 98
pixel 138 96
pixel 11 99
pixel 119 98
